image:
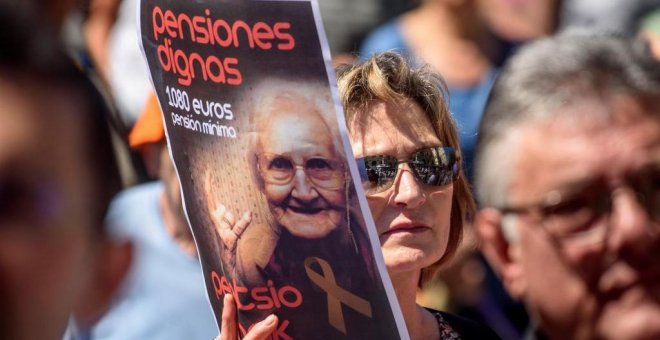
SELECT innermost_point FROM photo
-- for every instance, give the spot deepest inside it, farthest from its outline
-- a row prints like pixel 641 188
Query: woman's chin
pixel 406 259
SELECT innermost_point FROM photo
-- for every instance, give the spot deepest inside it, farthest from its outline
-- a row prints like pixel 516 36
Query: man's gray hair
pixel 544 79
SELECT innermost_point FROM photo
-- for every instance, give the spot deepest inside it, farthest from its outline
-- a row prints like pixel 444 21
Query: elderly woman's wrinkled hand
pixel 228 228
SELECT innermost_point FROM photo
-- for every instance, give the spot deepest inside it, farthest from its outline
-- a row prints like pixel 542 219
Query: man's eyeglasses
pixel 437 166
pixel 322 172
pixel 580 217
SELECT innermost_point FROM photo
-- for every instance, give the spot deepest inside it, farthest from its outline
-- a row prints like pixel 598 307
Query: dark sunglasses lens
pixel 434 166
pixel 377 173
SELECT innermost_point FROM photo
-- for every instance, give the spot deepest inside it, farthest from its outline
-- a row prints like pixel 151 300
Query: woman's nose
pixel 407 191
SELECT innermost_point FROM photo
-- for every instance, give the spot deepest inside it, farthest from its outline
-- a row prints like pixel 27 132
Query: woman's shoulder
pixel 465 329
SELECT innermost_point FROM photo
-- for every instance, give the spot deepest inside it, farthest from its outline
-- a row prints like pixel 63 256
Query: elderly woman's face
pixel 412 218
pixel 303 177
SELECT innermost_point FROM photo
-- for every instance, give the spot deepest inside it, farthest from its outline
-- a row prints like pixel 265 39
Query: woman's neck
pixel 420 323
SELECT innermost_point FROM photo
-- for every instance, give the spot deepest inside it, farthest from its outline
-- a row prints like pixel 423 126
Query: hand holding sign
pixel 229 331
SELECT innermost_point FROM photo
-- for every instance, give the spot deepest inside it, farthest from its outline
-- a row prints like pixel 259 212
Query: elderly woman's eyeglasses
pixel 581 217
pixel 280 170
pixel 437 166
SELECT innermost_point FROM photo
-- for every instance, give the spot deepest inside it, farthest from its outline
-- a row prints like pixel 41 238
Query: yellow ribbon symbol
pixel 336 295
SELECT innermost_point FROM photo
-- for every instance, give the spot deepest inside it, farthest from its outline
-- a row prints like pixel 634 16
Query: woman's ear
pixel 112 263
pixel 501 250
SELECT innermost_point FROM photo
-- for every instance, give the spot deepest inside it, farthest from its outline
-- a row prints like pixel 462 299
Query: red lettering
pixel 261 298
pixel 209 25
pixel 241 290
pixel 262 31
pixel 170 23
pixel 218 77
pixel 157 22
pixel 181 63
pixel 226 287
pixel 260 294
pixel 280 29
pixel 282 296
pixel 202 34
pixel 217 287
pixel 162 52
pixel 240 24
pixel 190 67
pixel 237 78
pixel 200 61
pixel 280 332
pixel 218 38
pixel 184 18
pixel 203 29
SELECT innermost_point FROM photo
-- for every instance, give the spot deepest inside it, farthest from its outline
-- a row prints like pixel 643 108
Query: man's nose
pixel 302 187
pixel 407 191
pixel 635 236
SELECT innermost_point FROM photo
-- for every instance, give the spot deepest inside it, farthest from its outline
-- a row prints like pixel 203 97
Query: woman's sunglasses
pixel 437 166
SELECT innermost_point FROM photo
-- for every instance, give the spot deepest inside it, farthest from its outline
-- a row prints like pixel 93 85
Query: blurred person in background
pixel 649 31
pixel 163 296
pixel 52 13
pixel 612 16
pixel 57 176
pixel 567 172
pixel 456 38
pixel 111 34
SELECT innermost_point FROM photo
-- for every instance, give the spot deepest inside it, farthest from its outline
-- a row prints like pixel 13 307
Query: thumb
pixel 263 329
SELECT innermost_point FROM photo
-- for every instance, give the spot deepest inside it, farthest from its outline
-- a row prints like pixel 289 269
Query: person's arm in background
pixel 102 16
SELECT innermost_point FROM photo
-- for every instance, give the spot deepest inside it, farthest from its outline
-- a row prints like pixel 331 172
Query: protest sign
pixel 260 147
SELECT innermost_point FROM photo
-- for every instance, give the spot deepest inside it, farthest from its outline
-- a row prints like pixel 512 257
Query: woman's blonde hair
pixel 388 77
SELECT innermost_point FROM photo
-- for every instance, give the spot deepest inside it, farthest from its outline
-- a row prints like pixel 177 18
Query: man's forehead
pixel 565 150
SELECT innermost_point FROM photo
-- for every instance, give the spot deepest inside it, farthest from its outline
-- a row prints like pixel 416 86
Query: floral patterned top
pixel 446 331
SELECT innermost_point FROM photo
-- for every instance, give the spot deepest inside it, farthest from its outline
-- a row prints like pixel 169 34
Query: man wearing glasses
pixel 567 174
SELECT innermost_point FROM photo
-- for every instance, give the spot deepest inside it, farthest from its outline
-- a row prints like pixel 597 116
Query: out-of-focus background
pixel 466 41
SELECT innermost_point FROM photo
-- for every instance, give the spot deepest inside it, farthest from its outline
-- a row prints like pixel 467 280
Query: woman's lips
pixel 407 227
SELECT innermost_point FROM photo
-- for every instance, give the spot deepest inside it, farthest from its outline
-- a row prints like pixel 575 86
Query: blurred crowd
pixel 94 243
